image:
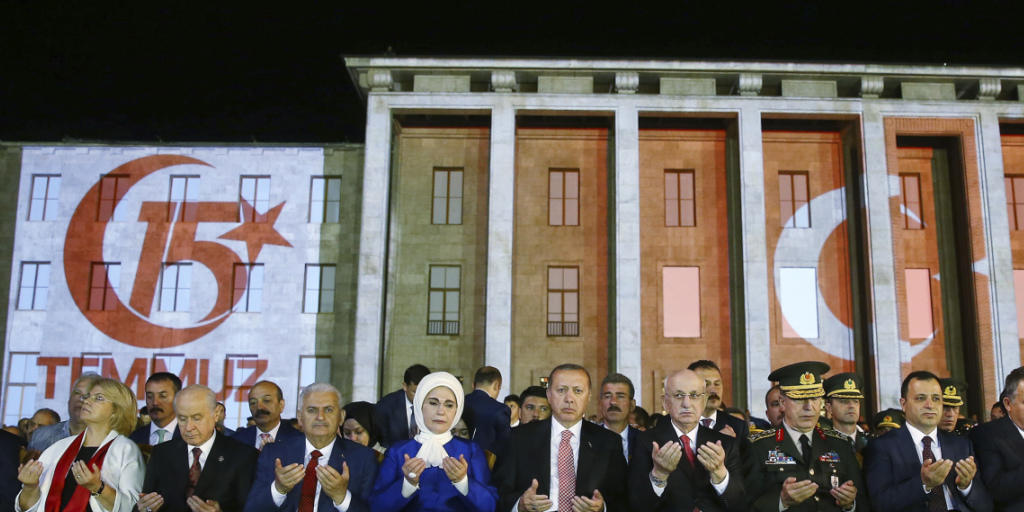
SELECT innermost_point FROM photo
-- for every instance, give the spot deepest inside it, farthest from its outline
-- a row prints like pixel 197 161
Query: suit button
pixel 817 498
pixel 811 471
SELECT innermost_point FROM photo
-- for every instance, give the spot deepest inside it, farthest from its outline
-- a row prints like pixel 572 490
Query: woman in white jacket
pixel 98 470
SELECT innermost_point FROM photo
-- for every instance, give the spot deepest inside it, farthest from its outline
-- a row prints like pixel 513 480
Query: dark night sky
pixel 243 73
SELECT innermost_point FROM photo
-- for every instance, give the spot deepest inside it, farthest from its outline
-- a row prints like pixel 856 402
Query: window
pixel 564 197
pixel 20 398
pixel 325 199
pixel 313 369
pixel 447 206
pixel 563 301
pixel 798 300
pixel 1015 201
pixel 255 190
pixel 175 286
pixel 792 199
pixel 45 195
pixel 910 201
pixel 103 282
pixel 248 289
pixel 679 202
pixel 443 307
pixel 35 279
pixel 680 295
pixel 319 296
pixel 184 198
pixel 112 189
pixel 919 302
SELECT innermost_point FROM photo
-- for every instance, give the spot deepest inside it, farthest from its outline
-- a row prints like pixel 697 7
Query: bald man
pixel 202 470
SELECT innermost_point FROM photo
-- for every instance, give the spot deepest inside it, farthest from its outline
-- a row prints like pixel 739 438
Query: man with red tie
pixel 202 470
pixel 562 463
pixel 320 471
pixel 681 465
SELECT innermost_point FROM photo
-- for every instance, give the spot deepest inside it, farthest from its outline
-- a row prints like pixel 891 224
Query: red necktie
pixel 309 483
pixel 566 473
pixel 685 439
pixel 936 500
pixel 193 473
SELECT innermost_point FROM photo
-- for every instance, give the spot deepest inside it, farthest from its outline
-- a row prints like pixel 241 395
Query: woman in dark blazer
pixel 435 471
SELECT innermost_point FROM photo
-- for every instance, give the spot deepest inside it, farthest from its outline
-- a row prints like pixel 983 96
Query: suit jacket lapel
pixel 586 460
pixel 789 446
pixel 212 469
pixel 542 447
pixel 908 451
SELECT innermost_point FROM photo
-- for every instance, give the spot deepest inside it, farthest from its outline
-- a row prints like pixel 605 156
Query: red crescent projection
pixel 83 245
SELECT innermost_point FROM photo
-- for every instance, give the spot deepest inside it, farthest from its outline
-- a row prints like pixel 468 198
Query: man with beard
pixel 43 437
pixel 535 405
pixel 616 401
pixel 713 417
pixel 952 399
pixel 843 396
pixel 680 465
pixel 266 402
pixel 160 390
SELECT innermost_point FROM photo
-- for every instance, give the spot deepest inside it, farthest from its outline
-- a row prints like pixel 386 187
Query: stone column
pixel 500 230
pixel 878 187
pixel 755 254
pixel 999 264
pixel 628 349
pixel 373 242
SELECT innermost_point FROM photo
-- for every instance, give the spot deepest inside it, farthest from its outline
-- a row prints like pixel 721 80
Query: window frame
pixel 679 200
pixel 46 199
pixel 794 205
pixel 320 287
pixel 256 216
pixel 564 171
pixel 325 201
pixel 562 324
pixel 445 324
pixel 111 289
pixel 35 285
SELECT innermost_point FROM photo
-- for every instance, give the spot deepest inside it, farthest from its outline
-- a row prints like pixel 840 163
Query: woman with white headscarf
pixel 435 471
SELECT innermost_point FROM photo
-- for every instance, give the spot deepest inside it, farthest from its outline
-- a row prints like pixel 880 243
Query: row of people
pixel 559 463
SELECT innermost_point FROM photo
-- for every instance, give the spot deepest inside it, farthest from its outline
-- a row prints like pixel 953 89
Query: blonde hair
pixel 124 417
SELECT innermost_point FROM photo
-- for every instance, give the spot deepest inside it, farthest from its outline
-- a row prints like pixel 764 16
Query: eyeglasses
pixel 96 397
pixel 693 396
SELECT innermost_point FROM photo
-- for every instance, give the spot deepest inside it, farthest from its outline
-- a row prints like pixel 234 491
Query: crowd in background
pixel 429 446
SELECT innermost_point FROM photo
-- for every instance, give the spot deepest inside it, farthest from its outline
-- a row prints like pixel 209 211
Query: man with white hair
pixel 43 437
pixel 320 471
pixel 202 471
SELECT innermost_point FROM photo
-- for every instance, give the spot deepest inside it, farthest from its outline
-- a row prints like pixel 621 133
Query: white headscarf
pixel 432 451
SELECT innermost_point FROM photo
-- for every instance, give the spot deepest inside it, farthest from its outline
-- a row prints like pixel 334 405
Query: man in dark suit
pixel 920 467
pixel 202 470
pixel 953 391
pixel 491 419
pixel 562 462
pixel 713 417
pixel 800 466
pixel 160 390
pixel 999 448
pixel 680 465
pixel 10 459
pixel 395 415
pixel 322 471
pixel 266 402
pixel 615 403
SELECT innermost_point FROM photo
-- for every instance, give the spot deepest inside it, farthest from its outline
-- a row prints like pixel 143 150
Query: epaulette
pixel 833 433
pixel 764 434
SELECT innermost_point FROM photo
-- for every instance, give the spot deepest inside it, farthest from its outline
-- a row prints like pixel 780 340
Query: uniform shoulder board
pixel 831 432
pixel 764 434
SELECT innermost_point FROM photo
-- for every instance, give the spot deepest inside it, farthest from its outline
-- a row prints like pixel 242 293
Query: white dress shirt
pixel 273 435
pixel 556 440
pixel 154 438
pixel 713 418
pixel 204 451
pixel 1018 429
pixel 625 440
pixel 917 436
pixel 692 434
pixel 325 455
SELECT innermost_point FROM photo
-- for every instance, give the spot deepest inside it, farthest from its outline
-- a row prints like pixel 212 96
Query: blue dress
pixel 436 492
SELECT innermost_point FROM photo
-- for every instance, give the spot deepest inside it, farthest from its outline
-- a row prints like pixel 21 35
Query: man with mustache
pixel 713 417
pixel 266 402
pixel 616 401
pixel 43 437
pixel 160 390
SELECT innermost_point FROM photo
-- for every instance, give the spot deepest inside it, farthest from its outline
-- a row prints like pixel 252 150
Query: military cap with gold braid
pixel 800 381
pixel 952 392
pixel 844 385
pixel 889 418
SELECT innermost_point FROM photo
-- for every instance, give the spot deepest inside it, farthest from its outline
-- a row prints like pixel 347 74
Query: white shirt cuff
pixel 462 485
pixel 720 487
pixel 407 488
pixel 967 491
pixel 343 506
pixel 276 496
pixel 658 491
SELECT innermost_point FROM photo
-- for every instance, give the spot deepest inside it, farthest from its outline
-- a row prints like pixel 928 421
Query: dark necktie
pixel 193 473
pixel 805 449
pixel 685 439
pixel 706 422
pixel 936 501
pixel 309 483
pixel 413 429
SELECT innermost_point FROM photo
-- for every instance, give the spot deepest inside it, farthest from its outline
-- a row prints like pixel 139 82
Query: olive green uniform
pixel 773 457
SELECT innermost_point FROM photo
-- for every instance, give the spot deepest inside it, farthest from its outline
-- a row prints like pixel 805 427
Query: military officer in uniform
pixel 884 421
pixel 952 399
pixel 799 466
pixel 843 396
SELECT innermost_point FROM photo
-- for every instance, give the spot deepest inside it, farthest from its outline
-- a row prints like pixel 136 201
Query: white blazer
pixel 123 470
